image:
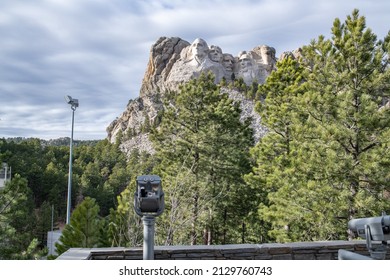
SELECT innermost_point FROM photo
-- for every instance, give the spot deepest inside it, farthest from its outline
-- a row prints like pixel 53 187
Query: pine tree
pixel 16 222
pixel 348 83
pixel 326 159
pixel 203 148
pixel 102 174
pixel 275 173
pixel 125 227
pixel 83 231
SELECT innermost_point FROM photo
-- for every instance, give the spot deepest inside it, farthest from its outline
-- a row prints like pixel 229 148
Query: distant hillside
pixel 63 141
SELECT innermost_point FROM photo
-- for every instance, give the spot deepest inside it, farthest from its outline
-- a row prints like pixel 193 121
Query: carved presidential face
pixel 199 48
pixel 267 54
pixel 228 61
pixel 215 54
pixel 245 62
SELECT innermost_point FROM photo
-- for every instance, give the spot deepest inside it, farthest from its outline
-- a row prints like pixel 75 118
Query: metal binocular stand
pixel 376 232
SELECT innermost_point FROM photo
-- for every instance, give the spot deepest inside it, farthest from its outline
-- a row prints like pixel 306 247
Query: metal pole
pixel 347 255
pixel 148 253
pixel 70 172
pixel 52 217
pixel 51 233
pixel 6 171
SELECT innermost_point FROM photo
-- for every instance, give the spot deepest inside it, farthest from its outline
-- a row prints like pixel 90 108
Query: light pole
pixel 74 103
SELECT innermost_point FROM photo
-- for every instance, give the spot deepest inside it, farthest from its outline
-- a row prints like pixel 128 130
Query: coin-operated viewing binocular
pixel 373 228
pixel 376 232
pixel 149 196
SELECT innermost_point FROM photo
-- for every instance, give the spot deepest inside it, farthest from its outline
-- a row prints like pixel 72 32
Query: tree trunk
pixel 195 213
pixel 351 208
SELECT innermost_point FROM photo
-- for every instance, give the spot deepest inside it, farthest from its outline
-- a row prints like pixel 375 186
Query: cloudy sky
pixel 97 50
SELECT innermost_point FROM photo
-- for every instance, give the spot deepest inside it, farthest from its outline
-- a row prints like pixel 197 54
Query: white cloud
pixel 97 50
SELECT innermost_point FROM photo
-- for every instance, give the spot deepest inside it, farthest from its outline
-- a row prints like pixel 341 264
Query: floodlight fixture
pixel 74 103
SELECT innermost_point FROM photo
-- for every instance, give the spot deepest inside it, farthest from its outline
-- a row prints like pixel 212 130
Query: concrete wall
pixel 273 251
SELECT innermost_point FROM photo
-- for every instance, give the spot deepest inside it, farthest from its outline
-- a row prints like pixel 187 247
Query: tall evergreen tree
pixel 275 172
pixel 203 148
pixel 16 222
pixel 328 154
pixel 348 85
pixel 125 227
pixel 84 227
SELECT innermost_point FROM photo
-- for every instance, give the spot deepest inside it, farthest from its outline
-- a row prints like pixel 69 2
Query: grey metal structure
pixel 5 174
pixel 148 204
pixel 376 232
pixel 74 103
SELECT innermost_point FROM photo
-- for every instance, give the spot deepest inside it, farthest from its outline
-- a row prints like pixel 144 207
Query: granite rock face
pixel 296 54
pixel 163 55
pixel 173 61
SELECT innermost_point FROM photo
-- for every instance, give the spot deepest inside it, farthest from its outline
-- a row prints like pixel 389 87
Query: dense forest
pixel 324 160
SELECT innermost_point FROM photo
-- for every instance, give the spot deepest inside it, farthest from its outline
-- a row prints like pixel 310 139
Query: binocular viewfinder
pixel 149 197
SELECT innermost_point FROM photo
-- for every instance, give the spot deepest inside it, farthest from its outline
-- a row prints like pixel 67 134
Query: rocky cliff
pixel 173 61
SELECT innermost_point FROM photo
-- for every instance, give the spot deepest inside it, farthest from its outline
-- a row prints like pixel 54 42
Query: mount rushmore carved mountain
pixel 173 61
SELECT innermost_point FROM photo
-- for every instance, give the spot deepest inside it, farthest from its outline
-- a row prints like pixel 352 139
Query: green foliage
pixel 325 159
pixel 240 85
pixel 16 221
pixel 146 127
pixel 124 226
pixel 203 148
pixel 99 171
pixel 275 154
pixel 83 231
pixel 346 113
